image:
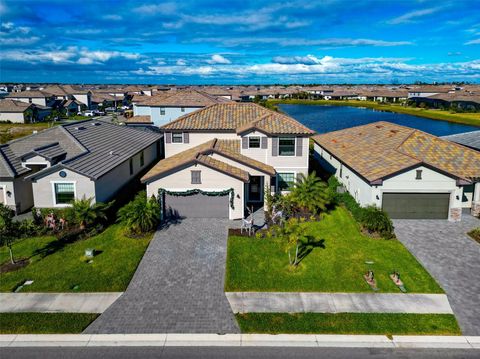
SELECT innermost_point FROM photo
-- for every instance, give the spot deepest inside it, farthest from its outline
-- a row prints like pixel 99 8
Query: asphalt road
pixel 236 352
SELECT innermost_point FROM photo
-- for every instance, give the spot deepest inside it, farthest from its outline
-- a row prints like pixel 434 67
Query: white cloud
pixel 112 17
pixel 166 8
pixel 10 34
pixel 473 42
pixel 307 60
pixel 181 62
pixel 412 16
pixel 218 59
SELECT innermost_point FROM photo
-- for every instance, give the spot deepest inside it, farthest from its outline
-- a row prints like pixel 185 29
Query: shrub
pixel 376 220
pixel 310 194
pixel 475 234
pixel 141 215
pixel 84 214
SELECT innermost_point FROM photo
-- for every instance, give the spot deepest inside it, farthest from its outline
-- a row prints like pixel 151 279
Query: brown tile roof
pixel 29 94
pixel 139 119
pixel 238 117
pixel 182 98
pixel 380 149
pixel 14 106
pixel 197 154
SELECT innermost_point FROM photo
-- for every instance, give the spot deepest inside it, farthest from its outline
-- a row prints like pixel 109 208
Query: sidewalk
pixel 238 340
pixel 304 302
pixel 57 302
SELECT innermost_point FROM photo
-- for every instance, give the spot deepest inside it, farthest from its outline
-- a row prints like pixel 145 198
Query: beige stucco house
pixel 233 152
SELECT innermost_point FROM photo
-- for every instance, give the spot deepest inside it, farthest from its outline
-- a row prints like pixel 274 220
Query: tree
pixel 310 194
pixel 141 215
pixel 7 229
pixel 85 214
pixel 292 235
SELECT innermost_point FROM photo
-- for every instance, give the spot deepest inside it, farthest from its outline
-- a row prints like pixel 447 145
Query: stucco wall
pixel 211 181
pixel 7 186
pixel 171 113
pixel 16 117
pixel 23 194
pixel 195 139
pixel 35 100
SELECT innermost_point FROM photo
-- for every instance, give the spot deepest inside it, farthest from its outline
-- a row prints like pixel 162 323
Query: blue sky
pixel 239 42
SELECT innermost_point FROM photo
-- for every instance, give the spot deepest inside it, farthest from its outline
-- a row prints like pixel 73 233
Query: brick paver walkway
pixel 178 286
pixel 452 258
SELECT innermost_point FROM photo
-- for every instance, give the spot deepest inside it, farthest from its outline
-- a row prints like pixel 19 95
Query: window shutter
pixel 264 142
pixel 186 137
pixel 244 143
pixel 168 137
pixel 299 149
pixel 274 146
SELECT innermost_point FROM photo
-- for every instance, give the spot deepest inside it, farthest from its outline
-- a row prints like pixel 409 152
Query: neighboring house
pixel 91 159
pixel 36 97
pixel 67 92
pixel 168 106
pixel 427 91
pixel 383 96
pixel 407 172
pixel 16 111
pixel 241 147
pixel 139 121
pixel 469 139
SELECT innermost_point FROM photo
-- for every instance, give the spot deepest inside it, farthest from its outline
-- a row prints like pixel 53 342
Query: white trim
pixel 54 200
pixel 3 188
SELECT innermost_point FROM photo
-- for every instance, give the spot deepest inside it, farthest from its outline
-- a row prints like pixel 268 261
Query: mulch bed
pixel 10 267
pixel 475 234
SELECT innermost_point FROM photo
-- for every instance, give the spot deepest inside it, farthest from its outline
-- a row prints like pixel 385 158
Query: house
pixel 91 159
pixel 36 97
pixel 233 152
pixel 16 111
pixel 67 92
pixel 382 95
pixel 168 106
pixel 407 172
pixel 426 91
pixel 469 139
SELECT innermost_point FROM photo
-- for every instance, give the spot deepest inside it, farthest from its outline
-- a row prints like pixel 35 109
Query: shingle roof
pixel 201 154
pixel 29 94
pixel 469 139
pixel 184 98
pixel 91 147
pixel 381 149
pixel 238 117
pixel 139 119
pixel 14 106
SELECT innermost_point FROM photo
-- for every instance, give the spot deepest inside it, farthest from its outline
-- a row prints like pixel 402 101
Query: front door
pixel 255 189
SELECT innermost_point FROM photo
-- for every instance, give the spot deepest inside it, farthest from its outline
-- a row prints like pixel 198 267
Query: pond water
pixel 327 118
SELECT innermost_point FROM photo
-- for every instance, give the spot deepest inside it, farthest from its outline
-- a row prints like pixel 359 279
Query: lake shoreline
pixel 473 119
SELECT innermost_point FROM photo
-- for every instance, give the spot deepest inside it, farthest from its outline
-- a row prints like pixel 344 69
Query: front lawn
pixel 58 267
pixel 336 264
pixel 45 323
pixel 349 323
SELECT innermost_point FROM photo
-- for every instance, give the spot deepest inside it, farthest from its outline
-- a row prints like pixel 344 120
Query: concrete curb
pixel 238 340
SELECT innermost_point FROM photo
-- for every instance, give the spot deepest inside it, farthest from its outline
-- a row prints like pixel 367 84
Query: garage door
pixel 416 205
pixel 198 205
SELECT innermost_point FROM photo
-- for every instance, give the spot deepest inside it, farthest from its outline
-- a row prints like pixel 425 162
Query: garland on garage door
pixel 192 192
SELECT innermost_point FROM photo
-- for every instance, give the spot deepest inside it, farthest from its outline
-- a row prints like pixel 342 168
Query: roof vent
pixel 79 128
pixel 111 153
pixel 95 124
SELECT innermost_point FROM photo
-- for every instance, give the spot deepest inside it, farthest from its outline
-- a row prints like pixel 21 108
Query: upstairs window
pixel 182 109
pixel 177 137
pixel 162 111
pixel 196 177
pixel 254 142
pixel 64 193
pixel 286 146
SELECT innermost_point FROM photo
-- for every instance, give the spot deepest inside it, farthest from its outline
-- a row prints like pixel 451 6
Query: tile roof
pixel 90 147
pixel 182 98
pixel 139 119
pixel 381 149
pixel 50 151
pixel 14 106
pixel 29 94
pixel 469 139
pixel 201 154
pixel 238 117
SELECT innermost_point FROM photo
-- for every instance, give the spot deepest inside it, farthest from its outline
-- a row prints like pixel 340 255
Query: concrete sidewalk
pixel 237 340
pixel 57 302
pixel 304 302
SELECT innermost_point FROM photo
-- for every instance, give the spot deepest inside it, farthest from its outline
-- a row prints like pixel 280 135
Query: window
pixel 182 109
pixel 177 137
pixel 162 111
pixel 419 175
pixel 64 193
pixel 254 142
pixel 130 163
pixel 196 177
pixel 285 181
pixel 341 170
pixel 142 159
pixel 286 146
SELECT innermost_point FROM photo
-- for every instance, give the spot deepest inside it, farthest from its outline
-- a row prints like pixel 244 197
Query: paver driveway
pixel 178 286
pixel 452 258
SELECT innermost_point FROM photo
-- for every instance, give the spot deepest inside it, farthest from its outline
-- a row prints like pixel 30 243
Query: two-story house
pixel 224 157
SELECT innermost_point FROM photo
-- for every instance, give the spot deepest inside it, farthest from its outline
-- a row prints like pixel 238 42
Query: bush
pixel 141 215
pixel 376 220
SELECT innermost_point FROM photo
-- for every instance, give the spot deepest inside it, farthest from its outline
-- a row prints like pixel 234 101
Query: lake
pixel 325 118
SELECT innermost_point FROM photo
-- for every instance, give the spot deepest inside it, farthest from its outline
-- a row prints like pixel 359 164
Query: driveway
pixel 452 258
pixel 178 286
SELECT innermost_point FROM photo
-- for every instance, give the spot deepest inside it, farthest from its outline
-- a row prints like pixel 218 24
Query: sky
pixel 239 42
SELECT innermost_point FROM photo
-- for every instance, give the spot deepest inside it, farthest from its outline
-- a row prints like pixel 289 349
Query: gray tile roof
pixel 89 147
pixel 469 139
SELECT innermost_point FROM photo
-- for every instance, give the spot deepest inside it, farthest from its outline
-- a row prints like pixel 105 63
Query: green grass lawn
pixel 465 118
pixel 11 131
pixel 255 264
pixel 54 268
pixel 44 323
pixel 349 323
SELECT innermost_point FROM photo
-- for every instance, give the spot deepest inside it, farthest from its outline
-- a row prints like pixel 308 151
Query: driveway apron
pixel 452 258
pixel 178 286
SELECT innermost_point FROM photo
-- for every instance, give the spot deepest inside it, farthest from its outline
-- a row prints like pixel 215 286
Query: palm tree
pixel 85 214
pixel 310 193
pixel 140 215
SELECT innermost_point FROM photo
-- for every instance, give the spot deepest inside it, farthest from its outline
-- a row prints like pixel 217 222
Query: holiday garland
pixel 192 192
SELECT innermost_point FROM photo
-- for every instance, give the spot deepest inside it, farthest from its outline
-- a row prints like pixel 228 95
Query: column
pixel 476 200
